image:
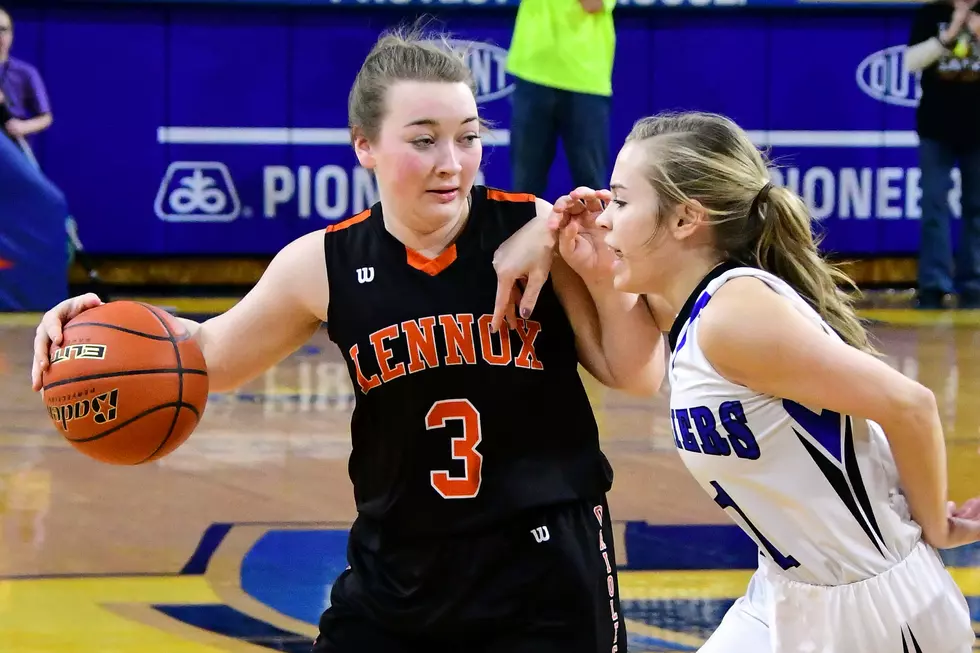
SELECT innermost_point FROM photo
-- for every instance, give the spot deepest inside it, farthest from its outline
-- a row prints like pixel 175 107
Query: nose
pixel 604 221
pixel 448 163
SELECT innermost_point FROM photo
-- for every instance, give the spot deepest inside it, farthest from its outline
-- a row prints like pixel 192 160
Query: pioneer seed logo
pixel 884 76
pixel 78 352
pixel 488 63
pixel 102 409
pixel 197 191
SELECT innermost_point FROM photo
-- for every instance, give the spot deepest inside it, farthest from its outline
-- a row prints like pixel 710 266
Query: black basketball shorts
pixel 544 583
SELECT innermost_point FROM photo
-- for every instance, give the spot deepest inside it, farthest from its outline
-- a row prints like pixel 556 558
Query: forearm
pixel 919 448
pixel 630 340
pixel 36 124
pixel 922 55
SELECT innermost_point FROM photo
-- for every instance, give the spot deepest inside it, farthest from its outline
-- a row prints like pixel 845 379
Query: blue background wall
pixel 824 86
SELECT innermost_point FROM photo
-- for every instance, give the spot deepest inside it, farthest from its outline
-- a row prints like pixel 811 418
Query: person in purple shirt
pixel 24 106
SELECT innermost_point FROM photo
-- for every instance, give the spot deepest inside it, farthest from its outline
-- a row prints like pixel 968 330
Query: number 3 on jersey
pixel 463 447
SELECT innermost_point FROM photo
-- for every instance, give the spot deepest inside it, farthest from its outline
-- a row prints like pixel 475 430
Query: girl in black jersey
pixel 482 522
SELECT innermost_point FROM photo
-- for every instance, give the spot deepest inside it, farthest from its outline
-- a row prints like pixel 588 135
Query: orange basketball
pixel 127 385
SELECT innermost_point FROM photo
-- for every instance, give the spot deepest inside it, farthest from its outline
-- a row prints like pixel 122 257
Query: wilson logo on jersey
pixel 428 342
pixel 365 275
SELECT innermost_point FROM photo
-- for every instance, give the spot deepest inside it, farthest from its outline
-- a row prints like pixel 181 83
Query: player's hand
pixel 962 525
pixel 973 23
pixel 524 258
pixel 586 252
pixel 970 509
pixel 49 331
pixel 961 15
pixel 583 205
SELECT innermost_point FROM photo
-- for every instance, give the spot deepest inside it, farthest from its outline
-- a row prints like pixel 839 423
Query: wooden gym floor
pixel 231 543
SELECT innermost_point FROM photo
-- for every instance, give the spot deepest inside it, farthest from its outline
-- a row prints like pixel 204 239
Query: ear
pixel 363 149
pixel 687 219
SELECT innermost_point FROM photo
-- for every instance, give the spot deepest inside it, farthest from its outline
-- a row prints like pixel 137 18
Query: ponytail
pixel 786 248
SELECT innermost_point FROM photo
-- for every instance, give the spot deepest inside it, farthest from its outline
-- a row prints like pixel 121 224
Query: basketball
pixel 127 385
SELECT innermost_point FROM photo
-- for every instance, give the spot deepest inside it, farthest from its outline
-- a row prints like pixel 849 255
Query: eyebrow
pixel 435 123
pixel 617 186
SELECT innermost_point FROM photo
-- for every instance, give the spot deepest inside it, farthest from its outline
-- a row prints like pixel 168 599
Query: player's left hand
pixel 524 258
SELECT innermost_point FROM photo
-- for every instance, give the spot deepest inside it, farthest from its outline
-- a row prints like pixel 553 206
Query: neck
pixel 426 239
pixel 680 287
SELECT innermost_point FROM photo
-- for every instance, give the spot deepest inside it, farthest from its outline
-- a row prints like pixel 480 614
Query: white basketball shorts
pixel 914 607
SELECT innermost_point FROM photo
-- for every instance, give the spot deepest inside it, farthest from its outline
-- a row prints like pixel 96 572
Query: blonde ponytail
pixel 786 248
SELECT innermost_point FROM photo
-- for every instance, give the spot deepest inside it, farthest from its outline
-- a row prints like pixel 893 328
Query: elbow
pixel 914 406
pixel 645 384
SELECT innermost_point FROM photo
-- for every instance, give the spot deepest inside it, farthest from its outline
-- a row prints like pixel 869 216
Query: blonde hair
pixel 707 158
pixel 403 54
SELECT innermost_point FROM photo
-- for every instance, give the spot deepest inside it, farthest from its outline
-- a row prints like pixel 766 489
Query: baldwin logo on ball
pixel 102 408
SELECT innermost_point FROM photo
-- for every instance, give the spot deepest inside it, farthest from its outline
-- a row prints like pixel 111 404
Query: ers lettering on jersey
pixel 464 339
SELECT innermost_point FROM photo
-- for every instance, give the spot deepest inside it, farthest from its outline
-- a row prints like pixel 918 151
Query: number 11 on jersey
pixel 467 485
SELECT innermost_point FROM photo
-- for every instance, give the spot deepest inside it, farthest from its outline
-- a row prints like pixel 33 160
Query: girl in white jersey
pixel 833 462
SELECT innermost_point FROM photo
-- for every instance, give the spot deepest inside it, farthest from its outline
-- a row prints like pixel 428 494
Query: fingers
pixel 40 363
pixel 502 304
pixel 49 332
pixel 569 205
pixel 969 510
pixel 535 282
pixel 511 313
pixel 567 240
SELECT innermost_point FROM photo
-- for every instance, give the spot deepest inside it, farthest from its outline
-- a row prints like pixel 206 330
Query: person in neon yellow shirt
pixel 561 55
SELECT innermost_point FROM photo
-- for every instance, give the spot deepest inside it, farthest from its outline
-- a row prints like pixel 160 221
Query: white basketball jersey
pixel 817 491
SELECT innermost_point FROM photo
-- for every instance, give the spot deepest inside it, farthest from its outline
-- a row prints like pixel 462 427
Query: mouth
pixel 445 194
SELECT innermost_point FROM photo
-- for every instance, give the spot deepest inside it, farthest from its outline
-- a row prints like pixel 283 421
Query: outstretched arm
pixel 282 311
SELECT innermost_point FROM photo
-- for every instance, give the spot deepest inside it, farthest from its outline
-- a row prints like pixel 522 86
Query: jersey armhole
pixel 331 235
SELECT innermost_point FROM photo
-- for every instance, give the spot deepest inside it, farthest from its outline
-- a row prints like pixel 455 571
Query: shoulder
pixel 359 221
pixel 505 204
pixel 22 67
pixel 747 320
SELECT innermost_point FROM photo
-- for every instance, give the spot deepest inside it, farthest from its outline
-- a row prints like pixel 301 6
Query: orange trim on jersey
pixel 504 196
pixel 350 222
pixel 431 266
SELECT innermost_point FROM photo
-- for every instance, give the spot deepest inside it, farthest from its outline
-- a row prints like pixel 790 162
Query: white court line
pixel 340 136
pixel 795 138
pixel 277 136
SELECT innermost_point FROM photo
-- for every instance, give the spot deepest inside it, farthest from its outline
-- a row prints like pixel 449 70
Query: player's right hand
pixel 580 243
pixel 49 331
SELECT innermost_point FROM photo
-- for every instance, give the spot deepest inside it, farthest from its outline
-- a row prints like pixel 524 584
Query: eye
pixel 423 142
pixel 619 203
pixel 471 138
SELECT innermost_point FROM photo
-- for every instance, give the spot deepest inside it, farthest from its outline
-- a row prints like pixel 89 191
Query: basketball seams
pixel 108 432
pixel 109 375
pixel 180 381
pixel 114 327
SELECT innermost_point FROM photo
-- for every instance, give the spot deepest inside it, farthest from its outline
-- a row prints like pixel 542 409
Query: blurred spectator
pixel 562 56
pixel 24 106
pixel 945 45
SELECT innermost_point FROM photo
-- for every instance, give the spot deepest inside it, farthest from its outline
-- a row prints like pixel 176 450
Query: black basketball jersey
pixel 455 427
